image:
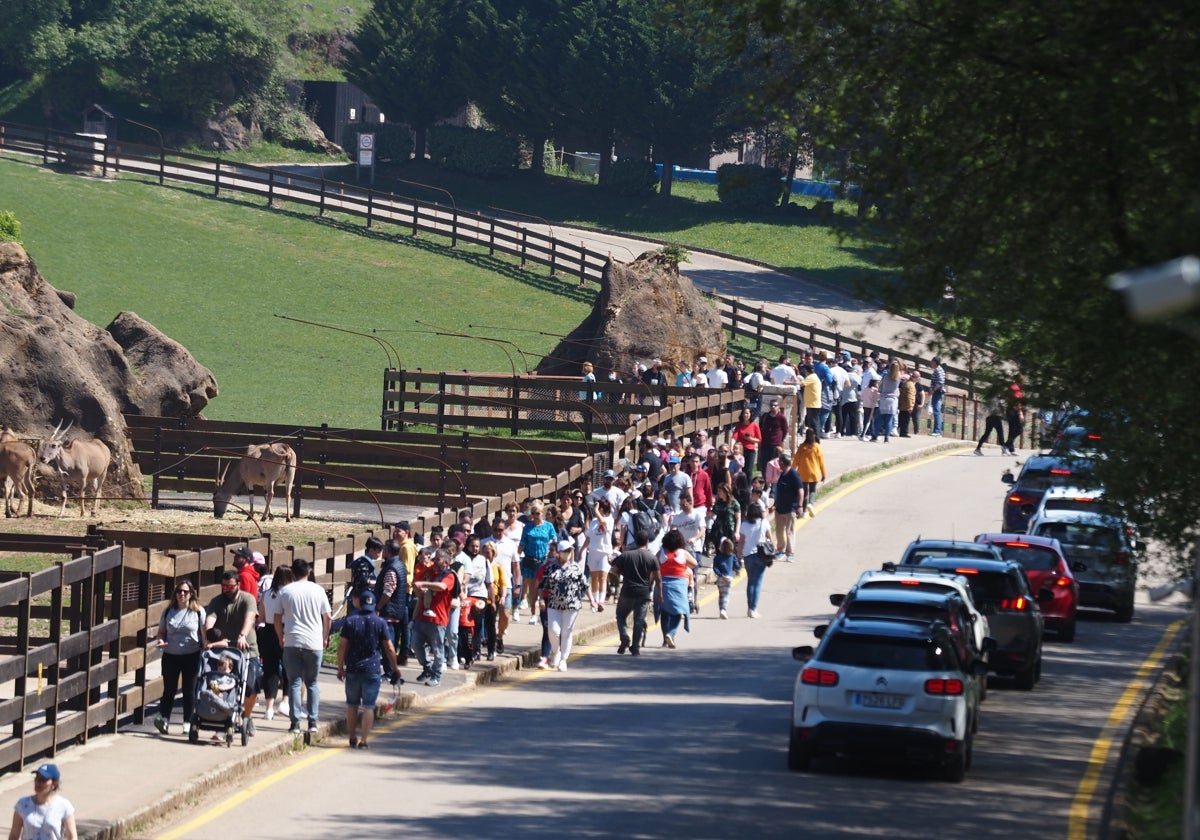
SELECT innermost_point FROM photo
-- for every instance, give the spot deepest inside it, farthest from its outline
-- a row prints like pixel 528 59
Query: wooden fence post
pixel 553 255
pixel 524 245
pixel 492 238
pixel 217 178
pixel 787 335
pixel 370 207
pixel 270 187
pixel 454 227
pixel 155 479
pixel 441 409
pixel 758 330
pixel 733 319
pixel 514 394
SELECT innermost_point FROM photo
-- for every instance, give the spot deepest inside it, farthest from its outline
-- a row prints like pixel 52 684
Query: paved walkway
pixel 119 783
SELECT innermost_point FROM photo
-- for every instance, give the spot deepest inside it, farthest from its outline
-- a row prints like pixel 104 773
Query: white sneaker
pixel 752 614
pixel 269 714
pixel 533 619
pixel 454 666
pixel 562 666
pixel 543 664
pixel 724 614
pixel 284 708
pixel 516 616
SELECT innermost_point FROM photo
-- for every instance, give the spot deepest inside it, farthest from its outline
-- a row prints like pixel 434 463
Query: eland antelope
pixel 17 463
pixel 263 465
pixel 85 461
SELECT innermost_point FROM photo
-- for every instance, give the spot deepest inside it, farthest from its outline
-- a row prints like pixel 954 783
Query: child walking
pixel 725 567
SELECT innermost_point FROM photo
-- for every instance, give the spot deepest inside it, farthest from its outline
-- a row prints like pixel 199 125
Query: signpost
pixel 366 156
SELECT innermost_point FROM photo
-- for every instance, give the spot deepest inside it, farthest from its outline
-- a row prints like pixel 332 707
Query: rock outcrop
pixel 57 367
pixel 645 310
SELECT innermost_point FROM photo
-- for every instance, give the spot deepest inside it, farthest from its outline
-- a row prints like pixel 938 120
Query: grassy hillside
pixel 212 274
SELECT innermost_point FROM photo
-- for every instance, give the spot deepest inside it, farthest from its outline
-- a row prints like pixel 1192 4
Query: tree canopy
pixel 1021 153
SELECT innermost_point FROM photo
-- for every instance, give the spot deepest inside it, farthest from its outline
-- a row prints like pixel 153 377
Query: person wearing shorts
pixel 364 636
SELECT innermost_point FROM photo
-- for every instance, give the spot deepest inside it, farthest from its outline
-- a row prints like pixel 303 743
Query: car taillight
pixel 1059 471
pixel 1018 604
pixel 1095 437
pixel 1018 498
pixel 911 582
pixel 1016 544
pixel 1063 581
pixel 966 571
pixel 1121 558
pixel 948 687
pixel 819 676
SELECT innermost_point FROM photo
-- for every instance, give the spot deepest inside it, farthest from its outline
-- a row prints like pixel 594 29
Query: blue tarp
pixel 800 186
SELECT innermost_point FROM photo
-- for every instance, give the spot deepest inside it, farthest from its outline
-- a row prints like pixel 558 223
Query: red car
pixel 1047 568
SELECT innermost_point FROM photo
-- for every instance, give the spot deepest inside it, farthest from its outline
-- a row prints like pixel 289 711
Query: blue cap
pixel 366 599
pixel 49 771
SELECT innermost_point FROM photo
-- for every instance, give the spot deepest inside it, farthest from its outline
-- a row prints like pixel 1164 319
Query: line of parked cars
pixel 903 666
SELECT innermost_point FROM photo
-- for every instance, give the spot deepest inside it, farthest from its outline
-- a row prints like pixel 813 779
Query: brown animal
pixel 263 465
pixel 85 461
pixel 17 462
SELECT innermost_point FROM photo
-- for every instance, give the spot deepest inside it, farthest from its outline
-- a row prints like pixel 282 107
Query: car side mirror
pixel 989 644
pixel 1045 596
pixel 802 653
pixel 1008 477
pixel 837 598
pixel 979 668
pixel 820 630
pixel 1079 566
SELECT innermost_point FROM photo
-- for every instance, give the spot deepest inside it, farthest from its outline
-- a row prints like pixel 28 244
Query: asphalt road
pixel 692 742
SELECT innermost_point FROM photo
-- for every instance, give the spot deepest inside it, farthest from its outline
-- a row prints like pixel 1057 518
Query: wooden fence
pixel 275 187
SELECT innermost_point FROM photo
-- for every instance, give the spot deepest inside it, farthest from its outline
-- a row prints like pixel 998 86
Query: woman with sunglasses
pixel 46 813
pixel 180 634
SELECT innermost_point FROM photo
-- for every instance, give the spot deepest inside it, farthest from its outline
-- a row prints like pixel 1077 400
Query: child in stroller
pixel 220 693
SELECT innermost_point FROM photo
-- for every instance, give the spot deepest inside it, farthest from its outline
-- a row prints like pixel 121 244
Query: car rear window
pixel 992 587
pixel 1034 558
pixel 919 554
pixel 895 609
pixel 891 653
pixel 1078 533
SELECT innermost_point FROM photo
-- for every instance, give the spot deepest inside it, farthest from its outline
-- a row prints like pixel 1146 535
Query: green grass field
pixel 213 274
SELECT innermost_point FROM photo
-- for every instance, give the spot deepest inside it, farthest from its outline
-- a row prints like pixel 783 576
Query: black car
pixel 1001 591
pixel 1038 473
pixel 919 550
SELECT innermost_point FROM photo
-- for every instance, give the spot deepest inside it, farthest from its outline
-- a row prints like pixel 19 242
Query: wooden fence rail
pixel 529 245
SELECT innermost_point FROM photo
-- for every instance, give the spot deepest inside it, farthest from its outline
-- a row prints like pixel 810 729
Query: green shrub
pixel 629 176
pixel 10 228
pixel 745 187
pixel 484 154
pixel 393 141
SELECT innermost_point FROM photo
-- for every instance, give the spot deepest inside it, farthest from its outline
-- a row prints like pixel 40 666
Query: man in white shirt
pixel 783 373
pixel 609 490
pixel 303 623
pixel 675 483
pixel 718 378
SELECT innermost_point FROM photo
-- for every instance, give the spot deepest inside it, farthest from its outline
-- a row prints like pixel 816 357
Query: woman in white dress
pixel 599 552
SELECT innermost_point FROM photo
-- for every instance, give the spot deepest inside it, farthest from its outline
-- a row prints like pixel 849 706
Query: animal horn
pixel 221 472
pixel 54 434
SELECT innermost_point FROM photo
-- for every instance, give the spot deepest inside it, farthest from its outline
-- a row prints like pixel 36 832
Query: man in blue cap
pixel 364 636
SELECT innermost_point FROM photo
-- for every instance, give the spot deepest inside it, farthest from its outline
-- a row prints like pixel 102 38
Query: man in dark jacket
pixel 365 637
pixel 774 428
pixel 639 573
pixel 391 598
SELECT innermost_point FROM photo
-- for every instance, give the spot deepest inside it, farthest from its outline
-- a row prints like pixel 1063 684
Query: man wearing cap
pixel 774 428
pixel 701 372
pixel 232 612
pixel 244 561
pixel 364 637
pixel 675 483
pixel 609 490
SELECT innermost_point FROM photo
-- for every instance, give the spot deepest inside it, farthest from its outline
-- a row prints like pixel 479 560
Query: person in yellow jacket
pixel 809 461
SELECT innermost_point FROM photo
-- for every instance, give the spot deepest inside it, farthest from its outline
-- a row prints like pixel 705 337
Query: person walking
pixel 937 394
pixel 302 625
pixel 789 502
pixel 268 640
pixel 566 587
pixel 533 547
pixel 993 423
pixel 180 637
pixel 725 566
pixel 809 462
pixel 726 516
pixel 752 557
pixel 640 574
pixel 599 547
pixel 675 567
pixel 749 435
pixel 364 638
pixel 774 427
pixel 232 614
pixel 47 814
pixel 1016 415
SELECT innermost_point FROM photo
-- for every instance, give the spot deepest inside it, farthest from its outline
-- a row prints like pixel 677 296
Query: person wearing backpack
pixel 362 567
pixel 391 599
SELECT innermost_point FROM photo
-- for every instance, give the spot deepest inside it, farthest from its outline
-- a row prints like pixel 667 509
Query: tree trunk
pixel 793 161
pixel 668 178
pixel 537 155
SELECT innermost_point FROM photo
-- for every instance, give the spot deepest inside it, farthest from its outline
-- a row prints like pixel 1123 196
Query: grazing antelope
pixel 85 461
pixel 263 465
pixel 17 462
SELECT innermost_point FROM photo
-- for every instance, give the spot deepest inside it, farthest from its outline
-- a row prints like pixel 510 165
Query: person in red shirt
pixel 702 488
pixel 749 435
pixel 245 560
pixel 435 580
pixel 1016 415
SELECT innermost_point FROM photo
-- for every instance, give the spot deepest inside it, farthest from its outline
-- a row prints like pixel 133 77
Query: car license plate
pixel 876 700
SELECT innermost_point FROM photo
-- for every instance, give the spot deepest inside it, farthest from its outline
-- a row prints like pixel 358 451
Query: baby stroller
pixel 220 695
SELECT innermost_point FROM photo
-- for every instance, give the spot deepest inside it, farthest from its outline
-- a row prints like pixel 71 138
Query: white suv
pixel 892 686
pixel 931 580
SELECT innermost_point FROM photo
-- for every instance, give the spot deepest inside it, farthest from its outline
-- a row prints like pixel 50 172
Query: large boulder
pixel 56 367
pixel 645 310
pixel 171 383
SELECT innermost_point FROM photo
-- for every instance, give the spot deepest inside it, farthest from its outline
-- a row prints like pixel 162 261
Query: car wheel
pixel 1125 611
pixel 799 755
pixel 1066 632
pixel 1025 679
pixel 955 770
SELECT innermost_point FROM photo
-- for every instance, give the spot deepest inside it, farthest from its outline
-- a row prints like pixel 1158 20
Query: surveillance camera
pixel 1160 291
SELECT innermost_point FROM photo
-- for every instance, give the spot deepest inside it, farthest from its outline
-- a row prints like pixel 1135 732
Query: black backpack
pixel 646 519
pixel 362 574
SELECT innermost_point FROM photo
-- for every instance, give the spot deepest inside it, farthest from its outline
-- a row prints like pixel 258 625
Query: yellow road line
pixel 1103 745
pixel 521 677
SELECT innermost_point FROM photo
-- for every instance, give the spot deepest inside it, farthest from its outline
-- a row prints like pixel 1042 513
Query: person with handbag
pixel 756 553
